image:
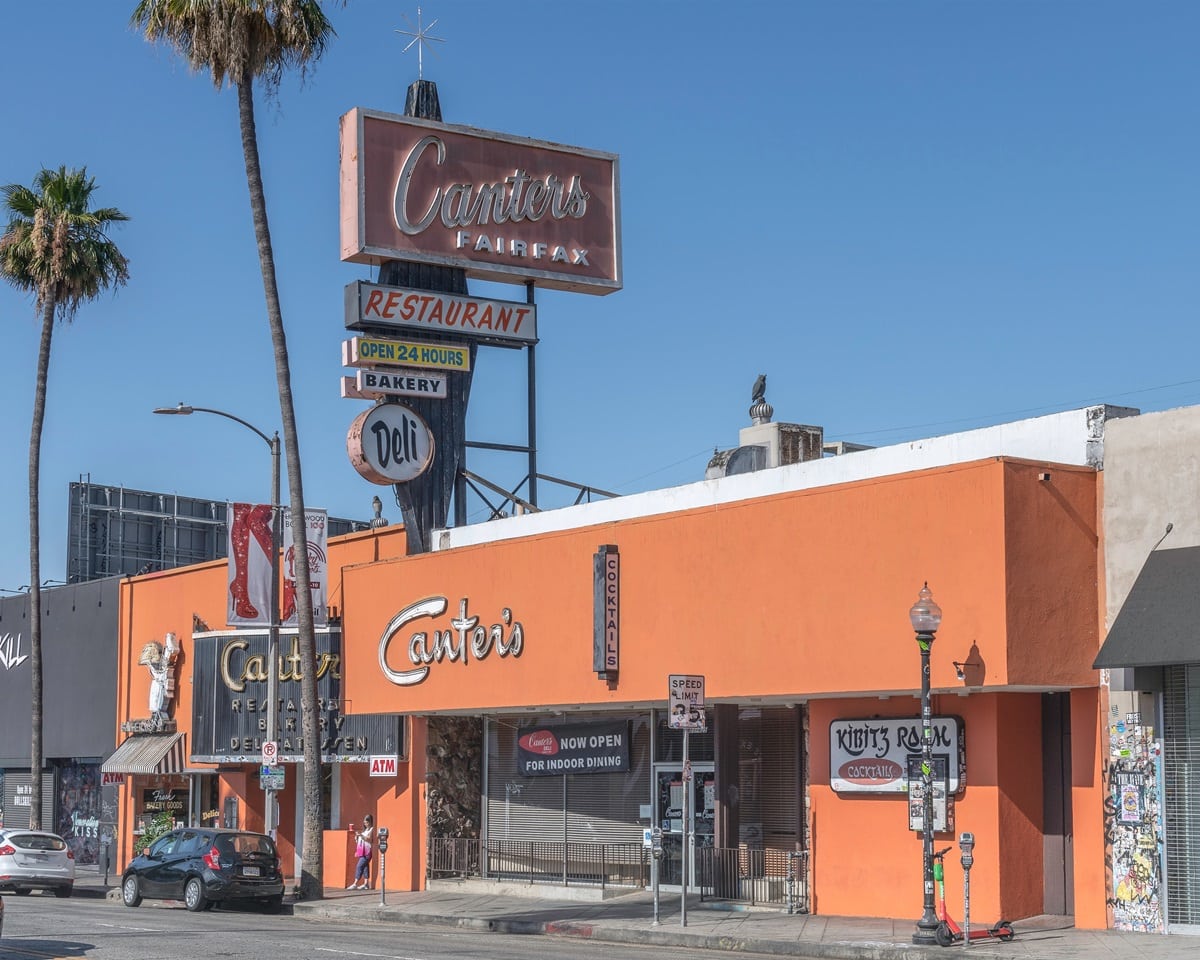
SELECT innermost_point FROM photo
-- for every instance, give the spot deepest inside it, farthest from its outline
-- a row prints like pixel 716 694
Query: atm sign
pixel 383 766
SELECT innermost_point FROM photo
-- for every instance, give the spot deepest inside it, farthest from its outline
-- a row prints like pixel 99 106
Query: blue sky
pixel 913 217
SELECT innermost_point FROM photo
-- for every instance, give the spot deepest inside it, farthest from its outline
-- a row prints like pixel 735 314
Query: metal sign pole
pixel 685 859
pixel 655 856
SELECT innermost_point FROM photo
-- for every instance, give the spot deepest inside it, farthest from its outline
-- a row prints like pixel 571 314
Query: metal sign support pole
pixel 685 859
pixel 654 858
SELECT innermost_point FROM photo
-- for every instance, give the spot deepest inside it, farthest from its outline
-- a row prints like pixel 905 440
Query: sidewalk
pixel 630 919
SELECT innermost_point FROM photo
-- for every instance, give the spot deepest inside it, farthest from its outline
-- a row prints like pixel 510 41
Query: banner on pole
pixel 248 547
pixel 318 574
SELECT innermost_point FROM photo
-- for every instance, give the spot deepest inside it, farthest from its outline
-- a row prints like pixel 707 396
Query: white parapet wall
pixel 1073 438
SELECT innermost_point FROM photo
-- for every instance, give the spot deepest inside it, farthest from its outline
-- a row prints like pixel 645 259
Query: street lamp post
pixel 926 617
pixel 276 543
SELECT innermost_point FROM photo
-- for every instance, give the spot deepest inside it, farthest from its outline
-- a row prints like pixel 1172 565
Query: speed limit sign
pixel 270 753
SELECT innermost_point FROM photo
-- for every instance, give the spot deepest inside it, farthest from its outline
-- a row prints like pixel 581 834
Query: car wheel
pixel 63 892
pixel 23 891
pixel 193 895
pixel 273 904
pixel 131 893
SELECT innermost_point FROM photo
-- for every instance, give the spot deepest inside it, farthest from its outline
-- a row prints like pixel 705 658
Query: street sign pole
pixel 685 853
pixel 685 707
pixel 656 852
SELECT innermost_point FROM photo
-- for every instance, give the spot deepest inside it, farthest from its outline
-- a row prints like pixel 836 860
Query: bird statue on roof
pixel 760 388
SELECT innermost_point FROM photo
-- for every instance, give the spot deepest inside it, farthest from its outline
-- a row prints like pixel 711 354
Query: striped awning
pixel 148 753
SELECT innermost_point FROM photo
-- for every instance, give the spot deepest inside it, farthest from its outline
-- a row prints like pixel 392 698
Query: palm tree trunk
pixel 35 563
pixel 311 883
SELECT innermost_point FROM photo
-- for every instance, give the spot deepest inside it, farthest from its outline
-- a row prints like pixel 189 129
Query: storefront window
pixel 668 743
pixel 770 789
pixel 595 807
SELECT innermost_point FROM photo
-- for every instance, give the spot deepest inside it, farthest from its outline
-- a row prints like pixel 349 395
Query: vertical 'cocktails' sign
pixel 606 612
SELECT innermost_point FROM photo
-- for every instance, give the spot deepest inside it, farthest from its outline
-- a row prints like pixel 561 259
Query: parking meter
pixel 966 843
pixel 383 867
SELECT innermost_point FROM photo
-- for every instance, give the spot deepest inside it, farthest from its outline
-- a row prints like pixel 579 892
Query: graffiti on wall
pixel 1133 824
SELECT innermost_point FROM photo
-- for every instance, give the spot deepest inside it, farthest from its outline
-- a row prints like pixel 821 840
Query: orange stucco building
pixel 788 591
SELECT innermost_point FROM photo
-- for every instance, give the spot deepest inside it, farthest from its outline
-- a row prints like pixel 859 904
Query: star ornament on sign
pixel 421 38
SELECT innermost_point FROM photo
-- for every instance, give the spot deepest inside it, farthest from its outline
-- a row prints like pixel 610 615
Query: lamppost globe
pixel 925 615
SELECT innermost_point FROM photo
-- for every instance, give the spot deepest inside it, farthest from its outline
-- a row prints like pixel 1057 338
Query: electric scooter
pixel 948 932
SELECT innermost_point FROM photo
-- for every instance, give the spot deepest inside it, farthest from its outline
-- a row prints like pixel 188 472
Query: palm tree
pixel 57 248
pixel 239 42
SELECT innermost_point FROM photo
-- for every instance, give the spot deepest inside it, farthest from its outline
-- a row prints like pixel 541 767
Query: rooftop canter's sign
pixel 369 305
pixel 501 207
pixel 871 755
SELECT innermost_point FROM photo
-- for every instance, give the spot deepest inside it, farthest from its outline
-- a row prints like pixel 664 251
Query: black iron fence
pixel 777 877
pixel 754 876
pixel 541 861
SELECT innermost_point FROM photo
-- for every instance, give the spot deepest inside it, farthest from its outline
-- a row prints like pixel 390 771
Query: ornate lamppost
pixel 926 617
pixel 269 821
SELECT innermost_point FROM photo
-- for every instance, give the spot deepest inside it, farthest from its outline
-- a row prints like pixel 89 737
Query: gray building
pixel 79 690
pixel 116 531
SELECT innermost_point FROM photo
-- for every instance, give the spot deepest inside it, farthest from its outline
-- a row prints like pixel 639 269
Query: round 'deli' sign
pixel 389 444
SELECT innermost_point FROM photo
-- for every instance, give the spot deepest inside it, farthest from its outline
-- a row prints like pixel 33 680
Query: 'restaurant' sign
pixel 501 207
pixel 871 756
pixel 574 748
pixel 369 305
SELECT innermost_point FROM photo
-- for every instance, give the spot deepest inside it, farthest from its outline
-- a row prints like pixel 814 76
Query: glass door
pixel 670 813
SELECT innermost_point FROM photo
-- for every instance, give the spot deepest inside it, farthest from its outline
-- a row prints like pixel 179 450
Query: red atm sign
pixel 383 766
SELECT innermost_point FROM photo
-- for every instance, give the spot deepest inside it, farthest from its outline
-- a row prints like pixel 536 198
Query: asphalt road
pixel 39 927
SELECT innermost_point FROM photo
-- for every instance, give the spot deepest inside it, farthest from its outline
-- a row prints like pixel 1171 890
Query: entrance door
pixel 669 815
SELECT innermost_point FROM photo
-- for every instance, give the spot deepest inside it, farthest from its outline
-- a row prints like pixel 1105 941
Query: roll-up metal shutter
pixel 16 799
pixel 1181 808
pixel 597 807
pixel 770 777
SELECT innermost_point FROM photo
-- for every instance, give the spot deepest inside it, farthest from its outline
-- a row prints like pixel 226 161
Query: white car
pixel 35 860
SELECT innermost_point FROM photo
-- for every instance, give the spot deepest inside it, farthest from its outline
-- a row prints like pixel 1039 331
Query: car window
pixel 189 843
pixel 36 841
pixel 164 845
pixel 245 844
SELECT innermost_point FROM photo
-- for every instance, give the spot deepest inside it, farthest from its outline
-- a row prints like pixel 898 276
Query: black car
pixel 203 867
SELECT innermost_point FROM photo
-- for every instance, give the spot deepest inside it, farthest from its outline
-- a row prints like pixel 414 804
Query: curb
pixel 631 935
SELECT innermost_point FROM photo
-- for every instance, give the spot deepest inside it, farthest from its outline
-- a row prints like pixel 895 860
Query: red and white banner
pixel 318 570
pixel 249 550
